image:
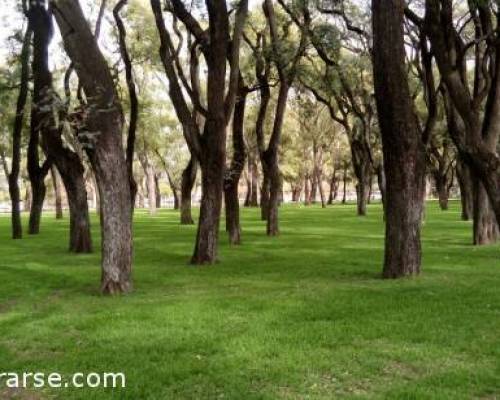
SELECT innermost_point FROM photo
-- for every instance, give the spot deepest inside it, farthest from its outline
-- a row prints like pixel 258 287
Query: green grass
pixel 302 316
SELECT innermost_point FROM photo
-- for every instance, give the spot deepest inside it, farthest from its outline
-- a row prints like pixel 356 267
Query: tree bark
pixel 381 184
pixel 485 226
pixel 157 191
pixel 233 174
pixel 149 173
pixel 363 170
pixel 403 149
pixel 57 193
pixel 134 101
pixel 13 176
pixel 253 182
pixel 344 189
pixel 466 189
pixel 67 162
pixel 481 119
pixel 442 189
pixel 187 183
pixel 105 150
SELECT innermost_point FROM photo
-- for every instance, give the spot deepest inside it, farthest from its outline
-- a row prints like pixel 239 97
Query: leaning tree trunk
pixel 187 183
pixel 36 172
pixel 466 189
pixel 67 162
pixel 13 176
pixel 38 191
pixel 57 192
pixel 403 149
pixel 105 150
pixel 233 174
pixel 485 226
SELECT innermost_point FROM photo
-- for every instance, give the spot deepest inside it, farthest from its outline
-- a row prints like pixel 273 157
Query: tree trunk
pixel 187 184
pixel 442 190
pixel 149 173
pixel 67 162
pixel 157 191
pixel 466 189
pixel 264 193
pixel 57 192
pixel 212 176
pixel 134 101
pixel 38 191
pixel 363 171
pixel 320 188
pixel 344 190
pixel 274 197
pixel 106 150
pixel 403 149
pixel 381 184
pixel 307 191
pixel 313 194
pixel 233 174
pixel 80 240
pixel 333 188
pixel 485 226
pixel 27 199
pixel 13 176
pixel 253 182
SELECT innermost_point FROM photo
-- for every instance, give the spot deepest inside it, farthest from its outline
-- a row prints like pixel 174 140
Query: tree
pixel 473 110
pixel 101 130
pixel 403 149
pixel 134 101
pixel 48 112
pixel 217 47
pixel 13 176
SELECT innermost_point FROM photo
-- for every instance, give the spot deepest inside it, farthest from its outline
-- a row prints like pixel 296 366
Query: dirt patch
pixel 18 394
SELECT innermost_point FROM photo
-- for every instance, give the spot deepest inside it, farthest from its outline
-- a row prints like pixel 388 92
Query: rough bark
pixel 102 122
pixel 233 173
pixel 403 149
pixel 485 226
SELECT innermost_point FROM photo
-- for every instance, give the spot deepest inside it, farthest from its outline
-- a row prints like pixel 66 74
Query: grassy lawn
pixel 302 316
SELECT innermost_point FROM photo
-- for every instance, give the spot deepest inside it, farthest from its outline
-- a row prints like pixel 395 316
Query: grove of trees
pixel 121 104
